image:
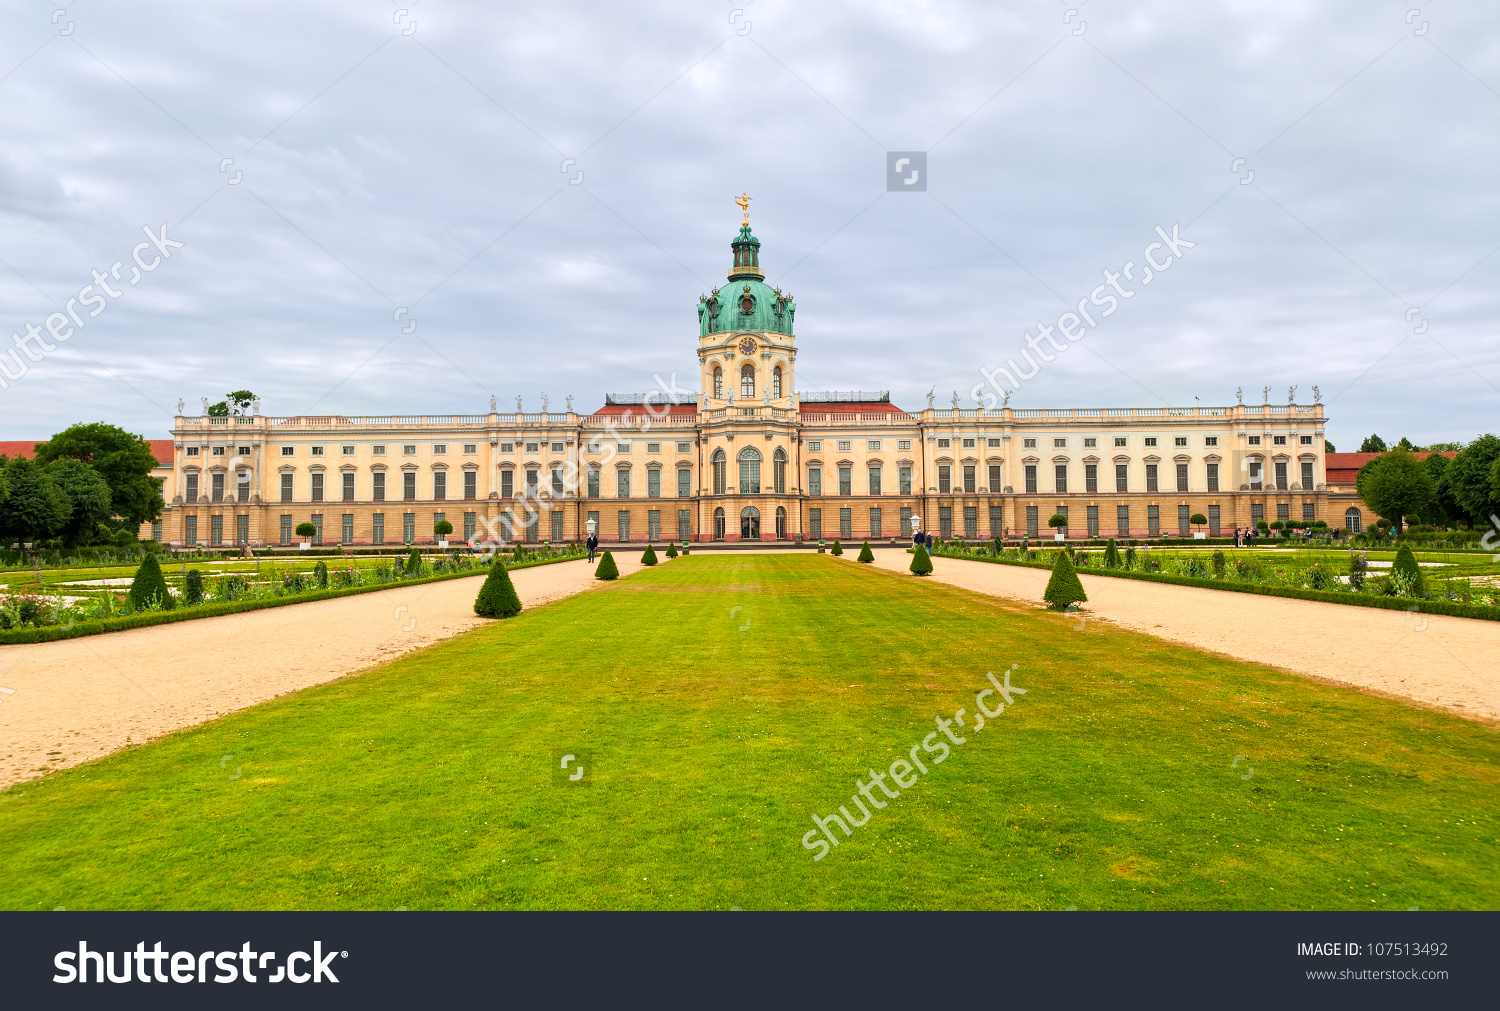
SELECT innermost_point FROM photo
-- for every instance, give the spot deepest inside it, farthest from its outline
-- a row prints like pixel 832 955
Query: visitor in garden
pixel 593 543
pixel 929 542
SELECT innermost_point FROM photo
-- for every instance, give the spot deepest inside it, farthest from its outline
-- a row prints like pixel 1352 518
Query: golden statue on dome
pixel 743 200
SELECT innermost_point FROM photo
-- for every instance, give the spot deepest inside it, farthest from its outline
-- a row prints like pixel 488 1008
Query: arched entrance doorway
pixel 719 524
pixel 780 523
pixel 749 524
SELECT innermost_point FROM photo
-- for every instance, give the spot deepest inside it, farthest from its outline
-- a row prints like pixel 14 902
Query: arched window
pixel 778 471
pixel 720 466
pixel 719 524
pixel 749 471
pixel 776 381
pixel 750 524
pixel 718 383
pixel 780 523
pixel 1354 520
pixel 747 381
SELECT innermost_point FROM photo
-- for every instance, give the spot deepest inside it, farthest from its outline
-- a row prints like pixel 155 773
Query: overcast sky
pixel 384 160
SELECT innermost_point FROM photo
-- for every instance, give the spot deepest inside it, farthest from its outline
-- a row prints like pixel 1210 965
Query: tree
pixel 192 588
pixel 150 587
pixel 306 530
pixel 837 549
pixel 36 507
pixel 88 498
pixel 125 461
pixel 1372 444
pixel 1063 588
pixel 648 557
pixel 1406 565
pixel 1057 521
pixel 1441 447
pixel 607 568
pixel 320 575
pixel 1395 485
pixel 442 528
pixel 237 402
pixel 1470 479
pixel 921 563
pixel 414 563
pixel 671 549
pixel 1441 510
pixel 1405 444
pixel 497 597
pixel 1219 564
pixel 1197 519
pixel 1328 447
pixel 865 554
pixel 1111 555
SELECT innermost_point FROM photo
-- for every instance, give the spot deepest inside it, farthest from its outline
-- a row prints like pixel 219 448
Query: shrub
pixel 149 588
pixel 1111 555
pixel 442 528
pixel 1063 588
pixel 1407 567
pixel 413 563
pixel 607 568
pixel 306 530
pixel 1057 521
pixel 1197 519
pixel 837 549
pixel 1130 558
pixel 921 564
pixel 497 597
pixel 865 554
pixel 1218 565
pixel 648 557
pixel 671 550
pixel 320 575
pixel 192 588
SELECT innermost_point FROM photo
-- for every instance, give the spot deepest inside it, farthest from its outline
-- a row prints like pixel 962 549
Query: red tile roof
pixel 160 448
pixel 1343 468
pixel 639 410
pixel 877 407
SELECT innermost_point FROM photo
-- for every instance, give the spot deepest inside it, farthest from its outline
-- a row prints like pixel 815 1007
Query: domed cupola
pixel 746 256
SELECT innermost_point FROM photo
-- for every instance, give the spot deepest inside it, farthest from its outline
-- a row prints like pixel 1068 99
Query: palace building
pixel 747 458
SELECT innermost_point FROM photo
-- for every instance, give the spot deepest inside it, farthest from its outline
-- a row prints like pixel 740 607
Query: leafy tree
pixel 124 461
pixel 1395 484
pixel 237 402
pixel 648 557
pixel 1063 588
pixel 305 530
pixel 1328 447
pixel 671 549
pixel 192 588
pixel 837 549
pixel 36 507
pixel 1441 447
pixel 607 568
pixel 1470 479
pixel 1111 555
pixel 497 597
pixel 865 554
pixel 921 563
pixel 150 587
pixel 1405 444
pixel 1441 510
pixel 1372 444
pixel 1197 519
pixel 442 528
pixel 88 496
pixel 1406 565
pixel 1057 521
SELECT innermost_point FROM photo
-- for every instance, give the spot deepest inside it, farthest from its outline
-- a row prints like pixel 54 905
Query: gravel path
pixel 1452 663
pixel 78 699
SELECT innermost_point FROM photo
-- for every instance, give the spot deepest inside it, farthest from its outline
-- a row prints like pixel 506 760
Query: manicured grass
pixel 720 701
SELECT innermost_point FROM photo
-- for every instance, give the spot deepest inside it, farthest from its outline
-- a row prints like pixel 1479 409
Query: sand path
pixel 1452 663
pixel 78 699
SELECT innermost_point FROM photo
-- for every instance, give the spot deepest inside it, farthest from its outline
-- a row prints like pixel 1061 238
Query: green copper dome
pixel 745 302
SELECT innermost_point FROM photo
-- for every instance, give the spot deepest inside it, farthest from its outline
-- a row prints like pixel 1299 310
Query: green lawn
pixel 721 701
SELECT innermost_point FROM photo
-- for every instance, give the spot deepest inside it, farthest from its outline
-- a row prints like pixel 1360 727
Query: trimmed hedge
pixel 1447 607
pixel 52 633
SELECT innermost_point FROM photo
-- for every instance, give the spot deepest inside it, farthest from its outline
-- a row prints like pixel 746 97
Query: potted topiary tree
pixel 442 528
pixel 306 531
pixel 1063 588
pixel 497 597
pixel 865 554
pixel 1059 523
pixel 607 568
pixel 1197 520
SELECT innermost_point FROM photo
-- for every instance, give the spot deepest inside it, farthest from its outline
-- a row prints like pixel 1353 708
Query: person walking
pixel 593 545
pixel 929 542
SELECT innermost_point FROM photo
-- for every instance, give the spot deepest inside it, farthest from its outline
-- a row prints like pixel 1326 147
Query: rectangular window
pixel 1032 521
pixel 846 523
pixel 471 525
pixel 286 528
pixel 1278 440
pixel 1151 483
pixel 945 522
pixel 533 479
pixel 994 443
pixel 1151 441
pixel 348 486
pixel 815 480
pixel 156 531
pixel 1153 520
pixel 815 446
pixel 1182 477
pixel 971 522
pixel 1119 441
pixel 440 485
pixel 653 484
pixel 903 444
pixel 684 524
pixel 193 451
pixel 510 447
pixel 872 445
pixel 346 529
pixel 903 480
pixel 1307 474
pixel 557 526
pixel 1122 521
pixel 471 485
pixel 377 451
pixel 1257 513
pixel 317 522
pixel 1028 443
pixel 1254 440
pixel 1211 440
pixel 378 533
pixel 470 448
pixel 874 480
pixel 1213 521
pixel 1031 478
pixel 684 483
pixel 316 451
pixel 242 529
pixel 945 478
pixel 1213 477
pixel 598 527
pixel 190 530
pixel 409 485
pixel 653 447
pixel 317 487
pixel 557 447
pixel 1091 477
pixel 1061 473
pixel 874 523
pixel 995 479
pixel 1309 512
pixel 997 521
pixel 622 525
pixel 557 481
pixel 970 484
pixel 1062 511
pixel 1180 440
pixel 1092 518
pixel 408 527
pixel 815 524
pixel 1090 443
pixel 242 487
pixel 1253 472
pixel 216 483
pixel 1059 443
pixel 377 486
pixel 944 443
pixel 533 521
pixel 846 480
pixel 905 521
pixel 1122 477
pixel 844 445
pixel 347 451
pixel 622 483
pixel 215 531
pixel 968 444
pixel 653 524
pixel 1184 527
pixel 1281 475
pixel 593 482
pixel 508 483
pixel 684 447
pixel 192 487
pixel 1283 511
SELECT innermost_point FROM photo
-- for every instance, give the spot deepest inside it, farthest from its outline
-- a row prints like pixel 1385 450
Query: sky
pixel 409 209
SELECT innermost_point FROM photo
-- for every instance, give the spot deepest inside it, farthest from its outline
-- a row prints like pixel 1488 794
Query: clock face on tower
pixel 747 345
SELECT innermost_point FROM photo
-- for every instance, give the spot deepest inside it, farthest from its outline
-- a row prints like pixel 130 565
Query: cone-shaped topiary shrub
pixel 320 575
pixel 671 550
pixel 1130 558
pixel 150 586
pixel 1064 588
pixel 413 563
pixel 497 597
pixel 837 549
pixel 607 568
pixel 865 554
pixel 1406 564
pixel 1219 564
pixel 192 587
pixel 648 557
pixel 921 564
pixel 1111 555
